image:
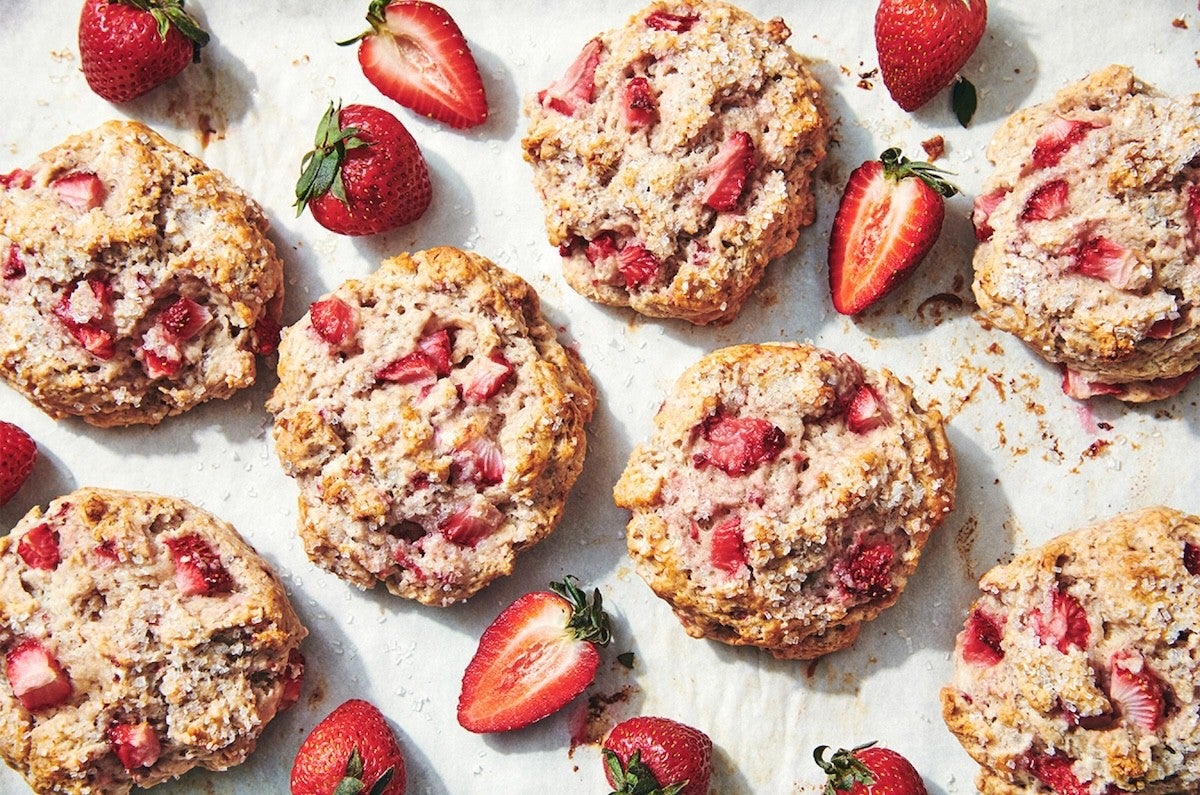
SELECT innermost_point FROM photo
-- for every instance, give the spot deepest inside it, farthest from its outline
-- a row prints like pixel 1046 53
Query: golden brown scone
pixel 433 423
pixel 785 496
pixel 1076 670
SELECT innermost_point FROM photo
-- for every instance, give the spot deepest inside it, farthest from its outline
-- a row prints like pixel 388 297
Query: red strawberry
pixel 601 248
pixel 18 452
pixel 415 54
pixel 869 770
pixel 866 411
pixel 13 267
pixel 1101 258
pixel 981 639
pixel 334 320
pixel 728 552
pixel 890 215
pixel 83 312
pixel 1047 202
pixel 867 570
pixel 1191 558
pixel 470 525
pixel 366 174
pixel 639 105
pixel 127 47
pixel 983 208
pixel 17 178
pixel 36 677
pixel 1137 690
pixel 1058 137
pixel 39 548
pixel 351 750
pixel 293 680
pixel 198 569
pixel 535 657
pixel 577 87
pixel 135 744
pixel 184 318
pixel 1161 329
pixel 637 264
pixel 923 43
pixel 648 754
pixel 478 461
pixel 727 172
pixel 265 339
pixel 438 347
pixel 81 190
pixel 1064 625
pixel 1055 772
pixel 737 445
pixel 414 368
pixel 1075 385
pixel 487 377
pixel 663 20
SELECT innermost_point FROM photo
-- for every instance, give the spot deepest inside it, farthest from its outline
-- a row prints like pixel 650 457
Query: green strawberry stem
pixel 588 620
pixel 844 769
pixel 635 778
pixel 321 168
pixel 168 14
pixel 896 166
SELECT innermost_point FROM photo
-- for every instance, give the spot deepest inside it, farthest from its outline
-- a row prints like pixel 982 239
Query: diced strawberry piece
pixel 81 190
pixel 1056 773
pixel 737 445
pixel 82 311
pixel 468 526
pixel 163 363
pixel 293 680
pixel 577 87
pixel 335 321
pixel 1058 137
pixel 663 20
pixel 1191 558
pixel 415 368
pixel 1076 386
pixel 135 744
pixel 727 172
pixel 1136 690
pixel 478 461
pixel 985 205
pixel 39 548
pixel 981 638
pixel 639 105
pixel 1162 388
pixel 488 376
pixel 603 247
pixel 571 245
pixel 98 342
pixel 866 411
pixel 106 552
pixel 13 267
pixel 1101 258
pixel 1161 329
pixel 1064 625
pixel 17 178
pixel 1047 202
pixel 184 318
pixel 1193 192
pixel 728 553
pixel 198 569
pixel 437 346
pixel 637 265
pixel 36 677
pixel 867 570
pixel 266 335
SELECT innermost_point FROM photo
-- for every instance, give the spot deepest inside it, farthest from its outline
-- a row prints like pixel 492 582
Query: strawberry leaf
pixel 321 168
pixel 963 100
pixel 170 14
pixel 588 620
pixel 635 777
pixel 843 770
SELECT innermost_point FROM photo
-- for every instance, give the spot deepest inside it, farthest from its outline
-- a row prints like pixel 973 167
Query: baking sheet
pixel 1032 463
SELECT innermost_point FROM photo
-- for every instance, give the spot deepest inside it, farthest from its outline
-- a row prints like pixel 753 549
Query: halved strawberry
pixel 1058 137
pixel 1064 624
pixel 36 677
pixel 198 568
pixel 890 215
pixel 981 638
pixel 866 411
pixel 726 174
pixel 639 105
pixel 982 210
pixel 81 190
pixel 39 548
pixel 637 265
pixel 1076 385
pixel 293 680
pixel 1136 690
pixel 478 461
pixel 486 378
pixel 335 321
pixel 1047 202
pixel 577 87
pixel 13 267
pixel 538 654
pixel 1057 773
pixel 471 524
pixel 737 445
pixel 728 552
pixel 135 744
pixel 664 20
pixel 867 570
pixel 1101 258
pixel 415 54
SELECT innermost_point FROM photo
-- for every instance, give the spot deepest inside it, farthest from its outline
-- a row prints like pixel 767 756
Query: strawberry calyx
pixel 897 167
pixel 843 770
pixel 352 783
pixel 321 168
pixel 170 14
pixel 588 620
pixel 636 778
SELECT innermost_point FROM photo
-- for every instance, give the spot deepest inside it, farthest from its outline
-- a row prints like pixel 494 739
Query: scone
pixel 675 159
pixel 142 637
pixel 785 496
pixel 135 282
pixel 433 423
pixel 1090 236
pixel 1076 671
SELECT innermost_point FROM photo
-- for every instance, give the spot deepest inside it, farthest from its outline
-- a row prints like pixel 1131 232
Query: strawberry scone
pixel 785 496
pixel 1089 236
pixel 1076 670
pixel 141 637
pixel 675 159
pixel 135 282
pixel 433 422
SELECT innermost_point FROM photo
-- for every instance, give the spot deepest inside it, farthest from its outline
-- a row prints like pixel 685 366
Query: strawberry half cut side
pixel 415 54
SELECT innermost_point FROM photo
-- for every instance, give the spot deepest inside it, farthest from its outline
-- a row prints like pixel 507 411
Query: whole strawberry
pixel 351 750
pixel 923 43
pixel 17 454
pixel 869 770
pixel 127 47
pixel 366 174
pixel 659 755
